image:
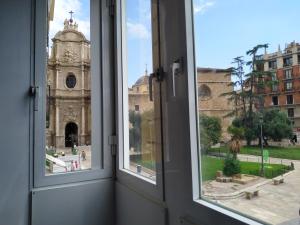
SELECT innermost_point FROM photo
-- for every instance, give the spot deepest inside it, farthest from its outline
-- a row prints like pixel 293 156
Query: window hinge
pixel 112 7
pixel 113 142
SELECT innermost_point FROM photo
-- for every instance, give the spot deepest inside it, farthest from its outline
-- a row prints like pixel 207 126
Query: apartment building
pixel 285 95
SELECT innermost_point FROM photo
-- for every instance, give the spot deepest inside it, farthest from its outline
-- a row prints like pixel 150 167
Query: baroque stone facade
pixel 69 89
pixel 212 83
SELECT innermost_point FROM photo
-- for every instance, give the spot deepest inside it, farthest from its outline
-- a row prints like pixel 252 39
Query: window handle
pixel 35 93
pixel 158 74
pixel 176 69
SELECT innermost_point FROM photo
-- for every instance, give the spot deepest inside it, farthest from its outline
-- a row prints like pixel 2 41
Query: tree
pixel 231 165
pixel 238 81
pixel 237 133
pixel 251 89
pixel 276 125
pixel 135 130
pixel 210 131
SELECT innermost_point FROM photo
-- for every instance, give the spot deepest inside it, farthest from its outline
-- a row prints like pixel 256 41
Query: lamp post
pixel 48 104
pixel 261 144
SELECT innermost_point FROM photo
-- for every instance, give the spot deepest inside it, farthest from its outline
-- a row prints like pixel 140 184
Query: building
pixel 138 95
pixel 212 83
pixel 69 89
pixel 285 94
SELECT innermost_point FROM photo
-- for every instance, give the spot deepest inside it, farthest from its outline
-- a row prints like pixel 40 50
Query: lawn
pixel 276 152
pixel 211 165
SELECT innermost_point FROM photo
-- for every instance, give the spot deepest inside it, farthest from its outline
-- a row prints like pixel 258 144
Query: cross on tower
pixel 71 13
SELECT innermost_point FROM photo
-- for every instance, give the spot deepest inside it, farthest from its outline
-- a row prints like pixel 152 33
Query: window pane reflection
pixel 139 117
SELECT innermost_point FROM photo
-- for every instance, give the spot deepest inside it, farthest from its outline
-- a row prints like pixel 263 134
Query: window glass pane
pixel 139 112
pixel 68 86
pixel 248 137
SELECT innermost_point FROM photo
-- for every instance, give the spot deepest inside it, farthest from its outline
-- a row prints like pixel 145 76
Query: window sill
pixel 138 176
pixel 227 212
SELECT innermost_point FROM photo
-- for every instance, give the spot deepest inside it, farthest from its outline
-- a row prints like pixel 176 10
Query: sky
pixel 224 29
pixel 81 9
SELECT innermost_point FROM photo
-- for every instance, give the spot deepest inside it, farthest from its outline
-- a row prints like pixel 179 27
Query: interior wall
pixel 86 203
pixel 15 43
pixel 136 208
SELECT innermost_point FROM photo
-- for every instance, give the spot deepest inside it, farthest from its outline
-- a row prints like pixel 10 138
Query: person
pixel 294 139
pixel 83 155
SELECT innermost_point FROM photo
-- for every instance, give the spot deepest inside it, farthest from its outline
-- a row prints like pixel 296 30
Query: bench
pixel 224 179
pixel 277 181
pixel 251 193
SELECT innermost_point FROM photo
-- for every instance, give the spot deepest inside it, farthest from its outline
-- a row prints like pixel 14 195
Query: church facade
pixel 212 83
pixel 68 119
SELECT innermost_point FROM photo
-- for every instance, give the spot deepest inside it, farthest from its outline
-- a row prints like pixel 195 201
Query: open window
pixel 139 109
pixel 247 167
pixel 71 84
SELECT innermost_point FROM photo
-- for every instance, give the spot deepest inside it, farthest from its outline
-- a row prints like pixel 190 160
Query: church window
pixel 71 80
pixel 204 92
pixel 137 108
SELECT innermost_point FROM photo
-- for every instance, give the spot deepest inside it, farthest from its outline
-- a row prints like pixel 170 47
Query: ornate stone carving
pixel 69 56
pixel 70 114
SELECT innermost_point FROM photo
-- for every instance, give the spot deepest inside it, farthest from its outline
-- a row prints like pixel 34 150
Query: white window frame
pixel 102 116
pixel 153 189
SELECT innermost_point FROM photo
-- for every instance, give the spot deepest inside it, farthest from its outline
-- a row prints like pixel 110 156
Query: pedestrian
pixel 83 155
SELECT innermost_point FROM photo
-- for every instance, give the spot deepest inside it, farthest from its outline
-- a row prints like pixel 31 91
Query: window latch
pixel 113 142
pixel 35 93
pixel 158 75
pixel 176 67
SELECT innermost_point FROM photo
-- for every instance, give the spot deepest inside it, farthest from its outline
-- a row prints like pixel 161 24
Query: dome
pixel 142 80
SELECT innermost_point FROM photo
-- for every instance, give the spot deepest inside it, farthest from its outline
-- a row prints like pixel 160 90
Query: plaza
pixel 275 204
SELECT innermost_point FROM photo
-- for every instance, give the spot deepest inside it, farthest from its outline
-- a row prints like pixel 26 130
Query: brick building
pixel 286 94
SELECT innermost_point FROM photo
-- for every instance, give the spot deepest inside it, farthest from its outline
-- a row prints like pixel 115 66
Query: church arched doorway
pixel 71 135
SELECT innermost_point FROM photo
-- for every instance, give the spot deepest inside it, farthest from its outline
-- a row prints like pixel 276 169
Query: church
pixel 68 108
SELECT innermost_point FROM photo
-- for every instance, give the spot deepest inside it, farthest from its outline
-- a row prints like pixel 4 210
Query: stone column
pixel 57 133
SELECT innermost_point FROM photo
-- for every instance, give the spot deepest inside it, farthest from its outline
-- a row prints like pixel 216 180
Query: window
pixel 204 92
pixel 288 86
pixel 273 64
pixel 71 80
pixel 275 100
pixel 291 112
pixel 68 134
pixel 139 96
pixel 288 61
pixel 274 87
pixel 288 74
pixel 236 176
pixel 289 99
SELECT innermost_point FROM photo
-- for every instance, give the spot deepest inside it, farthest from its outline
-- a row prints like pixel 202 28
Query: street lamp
pixel 261 144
